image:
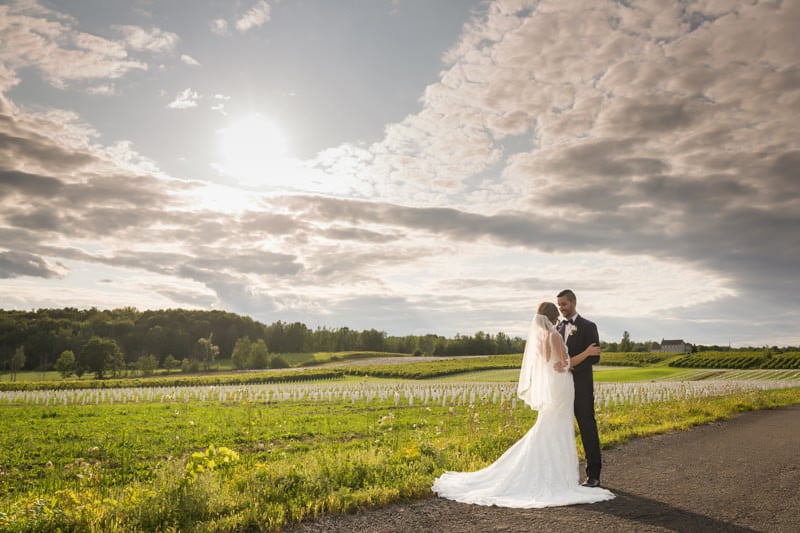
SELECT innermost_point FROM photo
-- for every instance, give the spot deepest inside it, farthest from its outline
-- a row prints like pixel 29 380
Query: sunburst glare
pixel 254 151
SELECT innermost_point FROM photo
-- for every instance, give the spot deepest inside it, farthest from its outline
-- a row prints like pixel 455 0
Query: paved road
pixel 739 476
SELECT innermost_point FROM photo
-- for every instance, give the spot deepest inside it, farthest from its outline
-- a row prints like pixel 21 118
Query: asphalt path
pixel 741 475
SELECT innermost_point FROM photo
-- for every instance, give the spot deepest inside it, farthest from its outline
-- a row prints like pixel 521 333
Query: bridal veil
pixel 536 376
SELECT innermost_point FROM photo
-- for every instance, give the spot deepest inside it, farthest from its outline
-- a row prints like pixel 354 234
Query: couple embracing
pixel 541 469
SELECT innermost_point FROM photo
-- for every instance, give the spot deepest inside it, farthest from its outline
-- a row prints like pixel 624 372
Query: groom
pixel 579 334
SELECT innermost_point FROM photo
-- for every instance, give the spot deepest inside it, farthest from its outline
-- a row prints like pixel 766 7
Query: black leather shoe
pixel 591 482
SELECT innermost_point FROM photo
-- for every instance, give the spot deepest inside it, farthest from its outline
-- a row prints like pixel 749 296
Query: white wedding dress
pixel 541 469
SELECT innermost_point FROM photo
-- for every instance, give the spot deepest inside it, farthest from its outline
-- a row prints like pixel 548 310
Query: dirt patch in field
pixel 740 475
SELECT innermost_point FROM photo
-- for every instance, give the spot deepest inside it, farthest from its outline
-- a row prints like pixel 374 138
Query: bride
pixel 541 469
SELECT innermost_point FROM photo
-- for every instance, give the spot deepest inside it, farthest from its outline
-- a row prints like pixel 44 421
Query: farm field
pixel 229 457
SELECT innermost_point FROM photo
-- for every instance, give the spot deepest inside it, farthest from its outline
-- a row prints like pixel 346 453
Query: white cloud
pixel 220 103
pixel 36 37
pixel 186 99
pixel 257 15
pixel 644 154
pixel 254 17
pixel 189 60
pixel 151 40
pixel 673 128
pixel 219 26
pixel 104 89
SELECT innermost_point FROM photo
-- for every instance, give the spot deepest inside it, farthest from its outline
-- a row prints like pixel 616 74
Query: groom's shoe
pixel 591 482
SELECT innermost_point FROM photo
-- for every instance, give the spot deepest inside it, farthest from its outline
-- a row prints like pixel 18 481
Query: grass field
pixel 620 374
pixel 232 456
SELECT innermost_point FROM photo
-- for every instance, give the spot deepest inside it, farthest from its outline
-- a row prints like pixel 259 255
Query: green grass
pixel 601 374
pixel 623 423
pixel 32 375
pixel 626 374
pixel 739 360
pixel 437 369
pixel 634 358
pixel 209 466
pixel 149 466
pixel 609 374
pixel 321 358
pixel 483 376
pixel 182 380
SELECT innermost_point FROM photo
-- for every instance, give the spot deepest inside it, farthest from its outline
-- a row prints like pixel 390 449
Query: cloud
pixel 643 153
pixel 662 128
pixel 257 15
pixel 189 60
pixel 20 142
pixel 254 17
pixel 186 99
pixel 104 89
pixel 36 37
pixel 151 40
pixel 219 26
pixel 14 264
pixel 220 100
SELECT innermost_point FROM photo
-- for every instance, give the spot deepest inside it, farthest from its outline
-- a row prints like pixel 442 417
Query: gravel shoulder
pixel 740 475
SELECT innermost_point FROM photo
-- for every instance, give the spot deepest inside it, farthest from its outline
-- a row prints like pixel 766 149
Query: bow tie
pixel 565 322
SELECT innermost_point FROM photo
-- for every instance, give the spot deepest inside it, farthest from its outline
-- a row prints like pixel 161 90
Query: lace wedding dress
pixel 541 469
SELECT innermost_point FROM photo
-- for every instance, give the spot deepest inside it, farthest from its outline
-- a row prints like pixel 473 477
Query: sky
pixel 405 165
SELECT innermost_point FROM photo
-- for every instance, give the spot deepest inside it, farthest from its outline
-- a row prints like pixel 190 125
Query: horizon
pixel 407 166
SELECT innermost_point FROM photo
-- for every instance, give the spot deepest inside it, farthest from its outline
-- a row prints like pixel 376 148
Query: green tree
pixel 259 355
pixel 241 353
pixel 171 363
pixel 17 361
pixel 147 364
pixel 625 344
pixel 278 361
pixel 65 364
pixel 189 366
pixel 372 340
pixel 208 351
pixel 99 355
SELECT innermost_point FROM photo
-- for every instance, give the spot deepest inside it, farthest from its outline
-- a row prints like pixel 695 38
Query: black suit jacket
pixel 584 336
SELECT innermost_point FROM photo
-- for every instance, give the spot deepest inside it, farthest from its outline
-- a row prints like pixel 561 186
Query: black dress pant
pixel 584 414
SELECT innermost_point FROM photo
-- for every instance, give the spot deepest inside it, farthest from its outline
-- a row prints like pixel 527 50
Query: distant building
pixel 674 346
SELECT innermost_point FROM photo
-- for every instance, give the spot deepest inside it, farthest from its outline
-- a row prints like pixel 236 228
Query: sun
pixel 254 151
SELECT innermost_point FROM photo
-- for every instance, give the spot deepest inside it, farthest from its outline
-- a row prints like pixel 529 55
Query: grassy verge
pixel 177 380
pixel 321 358
pixel 625 374
pixel 207 466
pixel 436 369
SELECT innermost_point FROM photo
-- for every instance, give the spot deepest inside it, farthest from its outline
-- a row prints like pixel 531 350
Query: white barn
pixel 675 346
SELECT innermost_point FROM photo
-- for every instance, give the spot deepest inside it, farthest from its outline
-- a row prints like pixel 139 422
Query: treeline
pixel 652 346
pixel 120 338
pixel 626 345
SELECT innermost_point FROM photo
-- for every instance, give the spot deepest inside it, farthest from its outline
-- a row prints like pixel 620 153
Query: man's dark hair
pixel 568 294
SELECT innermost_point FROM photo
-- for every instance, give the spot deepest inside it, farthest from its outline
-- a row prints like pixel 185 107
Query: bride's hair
pixel 549 310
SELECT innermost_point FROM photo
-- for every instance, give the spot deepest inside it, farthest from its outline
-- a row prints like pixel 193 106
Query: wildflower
pixel 412 452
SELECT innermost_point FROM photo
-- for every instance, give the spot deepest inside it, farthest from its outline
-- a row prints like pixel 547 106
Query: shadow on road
pixel 635 508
